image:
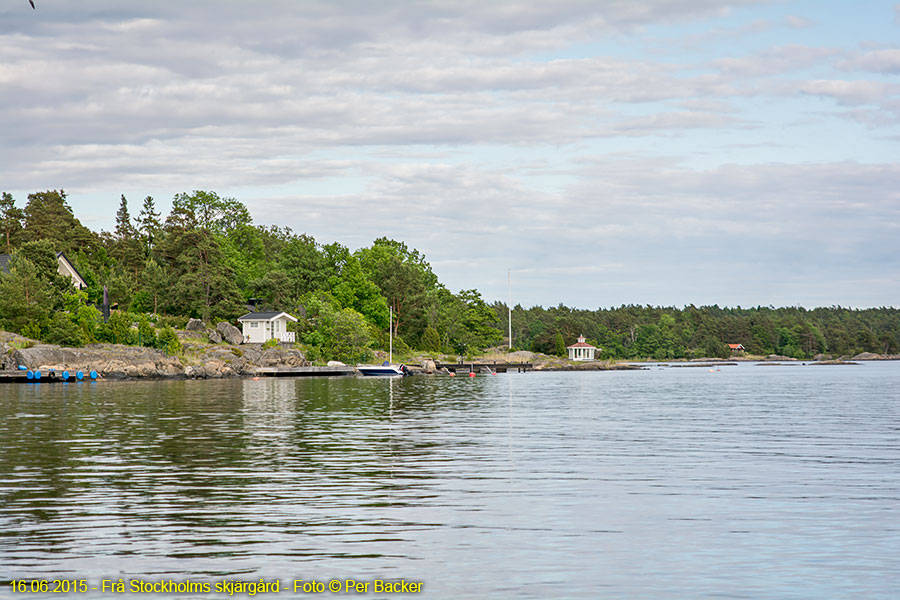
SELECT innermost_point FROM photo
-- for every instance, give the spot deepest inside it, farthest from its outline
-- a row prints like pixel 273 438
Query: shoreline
pixel 202 360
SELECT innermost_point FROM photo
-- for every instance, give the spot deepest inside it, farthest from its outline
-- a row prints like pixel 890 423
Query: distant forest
pixel 206 259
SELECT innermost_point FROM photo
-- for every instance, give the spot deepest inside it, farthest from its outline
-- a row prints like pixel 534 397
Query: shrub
pixel 168 340
pixel 62 331
pixel 146 333
pixel 431 340
pixel 270 343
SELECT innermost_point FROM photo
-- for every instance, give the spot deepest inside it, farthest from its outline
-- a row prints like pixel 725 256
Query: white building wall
pixel 254 331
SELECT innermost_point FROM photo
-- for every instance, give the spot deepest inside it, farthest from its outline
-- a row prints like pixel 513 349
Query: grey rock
pixel 230 333
pixel 336 363
pixel 195 325
pixel 214 336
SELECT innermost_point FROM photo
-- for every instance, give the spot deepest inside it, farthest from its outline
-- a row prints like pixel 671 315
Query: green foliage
pixel 63 331
pixel 335 333
pixel 11 218
pixel 559 345
pixel 146 333
pixel 117 330
pixel 27 298
pixel 168 340
pixel 31 330
pixel 431 340
pixel 49 217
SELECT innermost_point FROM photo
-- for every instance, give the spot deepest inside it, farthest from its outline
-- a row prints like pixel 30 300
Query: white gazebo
pixel 262 326
pixel 581 350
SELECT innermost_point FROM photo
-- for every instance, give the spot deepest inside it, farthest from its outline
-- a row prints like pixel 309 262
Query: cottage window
pixel 253 324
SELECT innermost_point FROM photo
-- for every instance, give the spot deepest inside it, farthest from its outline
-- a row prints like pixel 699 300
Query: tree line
pixel 207 259
pixel 632 331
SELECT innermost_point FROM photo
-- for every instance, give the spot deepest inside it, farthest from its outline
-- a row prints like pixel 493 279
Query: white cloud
pixel 798 22
pixel 876 61
pixel 472 130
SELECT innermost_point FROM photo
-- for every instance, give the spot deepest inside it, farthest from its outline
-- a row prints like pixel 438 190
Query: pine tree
pixel 49 217
pixel 148 225
pixel 10 219
pixel 124 228
pixel 126 247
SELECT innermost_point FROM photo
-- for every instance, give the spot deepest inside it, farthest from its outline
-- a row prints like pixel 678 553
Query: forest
pixel 207 259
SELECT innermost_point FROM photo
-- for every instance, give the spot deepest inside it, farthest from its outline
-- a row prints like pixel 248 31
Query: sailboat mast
pixel 391 336
pixel 509 303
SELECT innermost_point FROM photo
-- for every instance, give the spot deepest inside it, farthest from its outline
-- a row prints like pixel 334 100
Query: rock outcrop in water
pixel 118 361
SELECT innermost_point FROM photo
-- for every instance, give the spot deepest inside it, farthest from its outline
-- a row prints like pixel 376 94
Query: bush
pixel 62 331
pixel 172 321
pixel 168 340
pixel 146 333
pixel 431 340
pixel 270 343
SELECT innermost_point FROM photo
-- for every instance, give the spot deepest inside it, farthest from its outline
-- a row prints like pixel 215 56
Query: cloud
pixel 798 22
pixel 777 60
pixel 551 138
pixel 877 61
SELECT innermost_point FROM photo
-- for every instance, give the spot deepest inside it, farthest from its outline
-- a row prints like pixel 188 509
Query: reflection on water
pixel 675 483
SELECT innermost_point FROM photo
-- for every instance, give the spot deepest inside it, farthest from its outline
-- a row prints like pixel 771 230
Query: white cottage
pixel 581 350
pixel 262 326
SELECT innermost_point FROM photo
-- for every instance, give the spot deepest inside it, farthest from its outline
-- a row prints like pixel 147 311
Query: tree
pixel 154 282
pixel 404 279
pixel 559 345
pixel 26 297
pixel 127 248
pixel 352 289
pixel 10 219
pixel 203 285
pixel 49 217
pixel 335 333
pixel 210 212
pixel 431 340
pixel 148 225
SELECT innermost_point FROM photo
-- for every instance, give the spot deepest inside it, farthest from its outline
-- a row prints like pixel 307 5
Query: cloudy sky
pixel 662 152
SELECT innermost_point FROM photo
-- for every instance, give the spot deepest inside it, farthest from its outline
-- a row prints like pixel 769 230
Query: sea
pixel 737 481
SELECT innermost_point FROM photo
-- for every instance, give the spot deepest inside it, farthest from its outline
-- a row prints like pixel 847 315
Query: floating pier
pixel 304 371
pixel 23 375
pixel 477 367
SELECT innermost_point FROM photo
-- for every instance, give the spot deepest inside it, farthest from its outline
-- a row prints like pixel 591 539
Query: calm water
pixel 750 482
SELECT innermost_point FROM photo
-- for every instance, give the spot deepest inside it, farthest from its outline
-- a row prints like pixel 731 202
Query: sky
pixel 579 152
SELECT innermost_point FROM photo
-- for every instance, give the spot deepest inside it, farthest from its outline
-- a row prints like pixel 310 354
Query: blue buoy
pixel 37 375
pixel 29 375
pixel 65 376
pixel 23 368
pixel 79 375
pixel 93 374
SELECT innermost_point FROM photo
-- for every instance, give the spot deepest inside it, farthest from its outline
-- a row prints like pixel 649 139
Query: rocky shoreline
pixel 206 357
pixel 115 361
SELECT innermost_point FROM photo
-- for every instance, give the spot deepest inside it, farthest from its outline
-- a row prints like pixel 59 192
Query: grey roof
pixel 264 316
pixel 4 263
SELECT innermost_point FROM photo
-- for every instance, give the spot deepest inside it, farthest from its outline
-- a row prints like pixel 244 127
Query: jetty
pixel 52 375
pixel 303 371
pixel 477 367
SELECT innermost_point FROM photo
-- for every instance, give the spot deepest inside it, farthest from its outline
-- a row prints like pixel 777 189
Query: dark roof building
pixel 64 268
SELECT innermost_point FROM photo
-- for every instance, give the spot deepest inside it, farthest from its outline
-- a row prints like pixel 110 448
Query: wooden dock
pixel 304 371
pixel 477 367
pixel 54 376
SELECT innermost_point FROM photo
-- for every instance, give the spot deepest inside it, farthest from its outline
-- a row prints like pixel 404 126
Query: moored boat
pixel 384 369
